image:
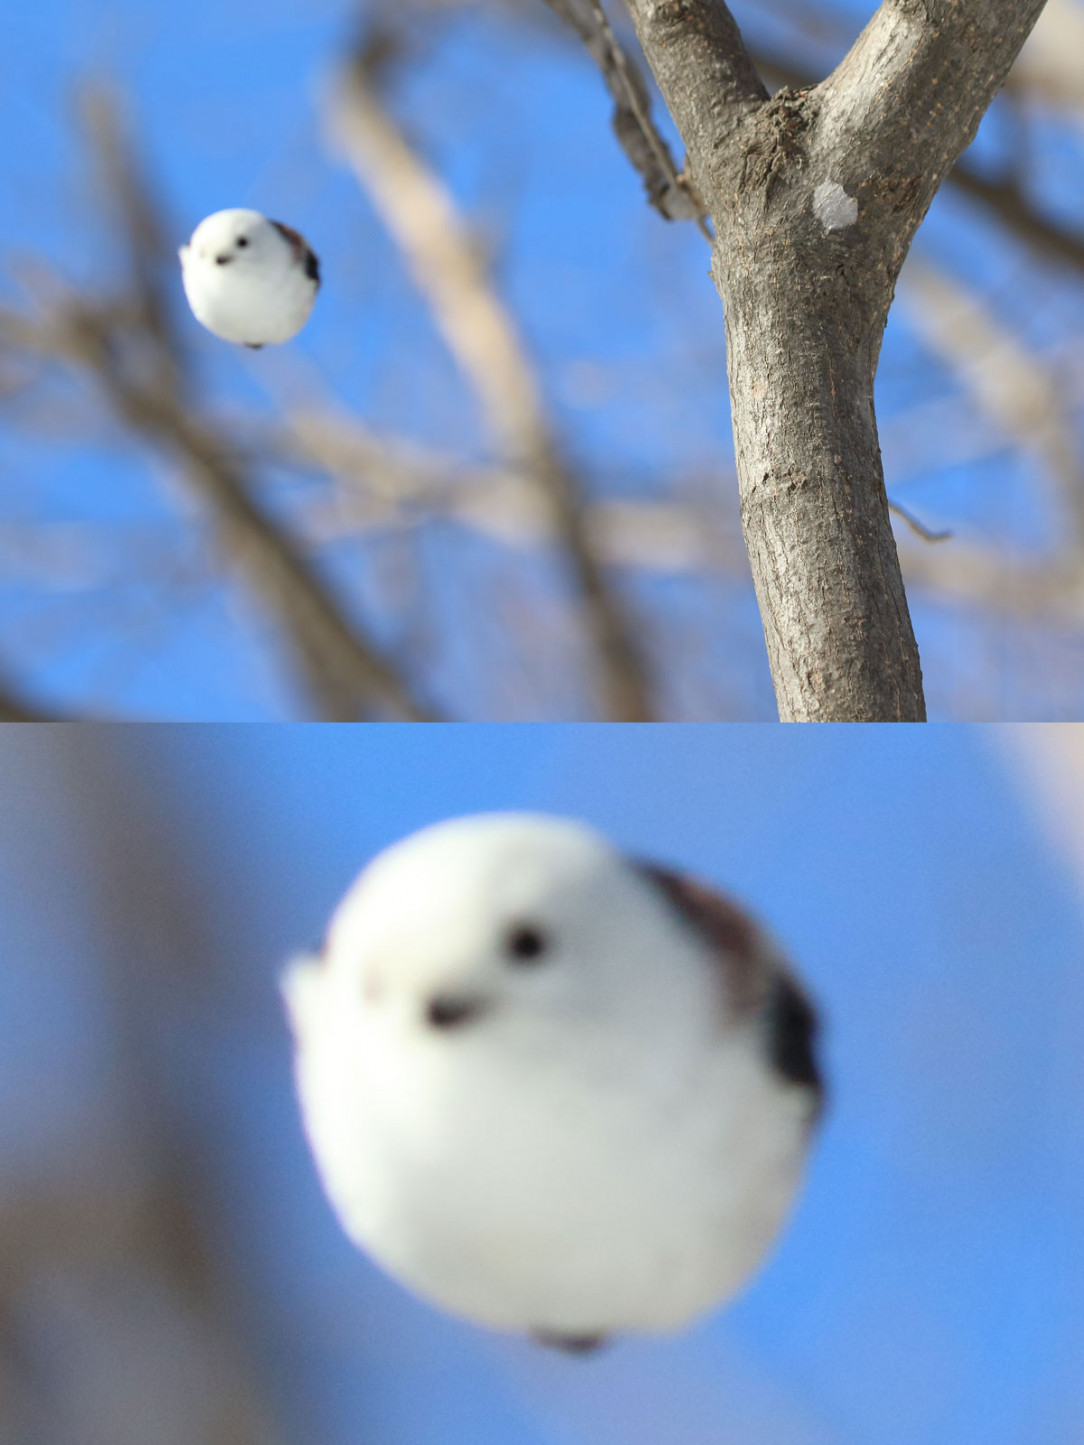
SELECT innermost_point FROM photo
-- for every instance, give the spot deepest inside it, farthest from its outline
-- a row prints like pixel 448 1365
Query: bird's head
pixel 236 237
pixel 509 921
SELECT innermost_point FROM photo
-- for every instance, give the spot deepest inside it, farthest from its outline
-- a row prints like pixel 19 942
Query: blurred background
pixel 494 477
pixel 170 1272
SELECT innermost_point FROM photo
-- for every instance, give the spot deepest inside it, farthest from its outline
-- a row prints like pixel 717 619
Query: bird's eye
pixel 242 240
pixel 526 944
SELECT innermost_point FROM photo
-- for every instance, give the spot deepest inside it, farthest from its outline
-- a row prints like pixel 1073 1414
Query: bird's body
pixel 248 279
pixel 585 1138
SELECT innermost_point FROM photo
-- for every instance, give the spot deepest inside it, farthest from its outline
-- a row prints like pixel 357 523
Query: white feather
pixel 605 1147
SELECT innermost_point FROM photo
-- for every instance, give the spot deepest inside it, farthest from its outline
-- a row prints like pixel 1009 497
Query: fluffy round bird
pixel 551 1088
pixel 249 279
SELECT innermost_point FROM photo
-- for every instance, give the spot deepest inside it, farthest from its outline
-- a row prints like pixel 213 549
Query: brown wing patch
pixel 303 252
pixel 757 982
pixel 730 931
pixel 295 238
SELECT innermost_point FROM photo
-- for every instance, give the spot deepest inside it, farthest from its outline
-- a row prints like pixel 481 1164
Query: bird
pixel 249 279
pixel 551 1088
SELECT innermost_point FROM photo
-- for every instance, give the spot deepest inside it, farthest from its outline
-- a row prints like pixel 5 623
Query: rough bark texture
pixel 815 197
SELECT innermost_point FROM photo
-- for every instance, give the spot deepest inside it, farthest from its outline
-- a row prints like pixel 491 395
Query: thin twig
pixel 671 192
pixel 919 528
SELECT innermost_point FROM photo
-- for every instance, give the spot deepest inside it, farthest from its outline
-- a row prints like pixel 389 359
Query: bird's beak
pixel 448 1011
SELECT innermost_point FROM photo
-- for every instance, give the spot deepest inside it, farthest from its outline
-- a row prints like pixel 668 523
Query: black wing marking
pixel 756 981
pixel 792 1035
pixel 304 253
pixel 731 933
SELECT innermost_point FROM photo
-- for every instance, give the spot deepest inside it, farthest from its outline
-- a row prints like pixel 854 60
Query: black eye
pixel 526 944
pixel 242 240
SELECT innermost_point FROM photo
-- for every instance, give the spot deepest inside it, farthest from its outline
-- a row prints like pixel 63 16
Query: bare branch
pixel 908 97
pixel 348 676
pixel 140 227
pixel 1014 387
pixel 704 71
pixel 670 192
pixel 449 271
pixel 386 483
pixel 919 528
pixel 1006 200
pixel 15 708
pixel 132 352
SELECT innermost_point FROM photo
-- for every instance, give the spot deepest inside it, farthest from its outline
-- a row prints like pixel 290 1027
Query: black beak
pixel 223 260
pixel 451 1011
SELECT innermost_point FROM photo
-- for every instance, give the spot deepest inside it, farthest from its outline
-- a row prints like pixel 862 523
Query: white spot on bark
pixel 833 207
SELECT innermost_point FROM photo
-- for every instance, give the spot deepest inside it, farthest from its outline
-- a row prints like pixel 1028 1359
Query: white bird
pixel 551 1088
pixel 248 279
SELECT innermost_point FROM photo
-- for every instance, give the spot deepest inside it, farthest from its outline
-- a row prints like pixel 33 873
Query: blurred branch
pixel 346 674
pixel 1008 202
pixel 1048 69
pixel 1028 589
pixel 15 708
pixel 139 226
pixel 449 271
pixel 1051 760
pixel 132 354
pixel 386 483
pixel 1012 386
pixel 120 1320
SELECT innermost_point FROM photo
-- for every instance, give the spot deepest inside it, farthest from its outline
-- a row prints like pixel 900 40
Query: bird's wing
pixel 758 982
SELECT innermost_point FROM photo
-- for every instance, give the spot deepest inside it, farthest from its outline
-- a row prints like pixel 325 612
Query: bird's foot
pixel 570 1344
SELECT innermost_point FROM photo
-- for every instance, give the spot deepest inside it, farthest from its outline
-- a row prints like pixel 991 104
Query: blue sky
pixel 928 1290
pixel 105 600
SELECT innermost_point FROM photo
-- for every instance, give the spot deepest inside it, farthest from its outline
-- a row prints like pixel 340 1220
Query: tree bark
pixel 815 197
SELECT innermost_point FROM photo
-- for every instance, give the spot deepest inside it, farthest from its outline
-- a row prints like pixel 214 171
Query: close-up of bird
pixel 551 1088
pixel 248 279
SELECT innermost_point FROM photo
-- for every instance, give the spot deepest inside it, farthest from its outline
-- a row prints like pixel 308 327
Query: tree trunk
pixel 813 503
pixel 815 197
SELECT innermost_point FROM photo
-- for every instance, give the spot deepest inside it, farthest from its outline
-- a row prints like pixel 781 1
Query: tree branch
pixel 908 97
pixel 1008 202
pixel 705 73
pixel 134 354
pixel 1005 199
pixel 347 675
pixel 449 271
pixel 669 191
pixel 15 708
